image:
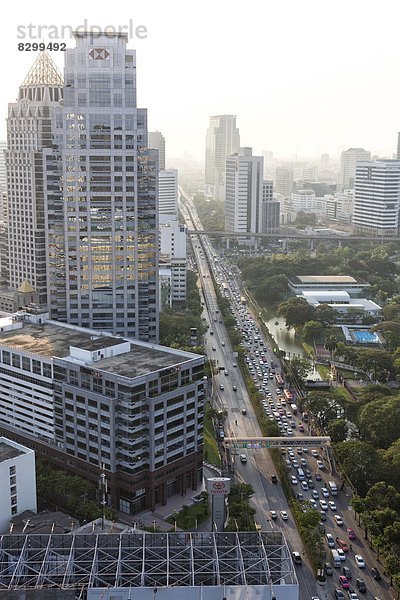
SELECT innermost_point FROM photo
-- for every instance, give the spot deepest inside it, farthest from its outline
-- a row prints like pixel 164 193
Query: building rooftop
pixel 8 451
pixel 326 279
pixel 53 340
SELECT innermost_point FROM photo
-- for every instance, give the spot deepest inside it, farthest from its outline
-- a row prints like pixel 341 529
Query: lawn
pixel 187 517
pixel 211 453
pixel 324 371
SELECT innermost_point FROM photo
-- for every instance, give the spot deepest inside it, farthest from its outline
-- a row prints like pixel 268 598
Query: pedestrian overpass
pixel 255 443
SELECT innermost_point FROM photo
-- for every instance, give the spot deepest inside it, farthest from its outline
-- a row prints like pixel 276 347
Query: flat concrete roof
pixel 7 452
pixel 326 279
pixel 51 340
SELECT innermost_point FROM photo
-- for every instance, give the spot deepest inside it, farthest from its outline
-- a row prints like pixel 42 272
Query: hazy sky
pixel 302 76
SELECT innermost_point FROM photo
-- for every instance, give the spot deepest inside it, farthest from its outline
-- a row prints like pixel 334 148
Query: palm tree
pixel 331 344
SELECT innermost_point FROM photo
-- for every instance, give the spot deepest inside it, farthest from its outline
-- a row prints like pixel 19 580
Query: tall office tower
pixel 222 140
pixel 3 172
pixel 324 163
pixel 349 161
pixel 284 181
pixel 101 196
pixel 377 198
pixel 173 262
pixel 244 192
pixel 398 146
pixel 157 141
pixel 29 133
pixel 168 195
pixel 271 209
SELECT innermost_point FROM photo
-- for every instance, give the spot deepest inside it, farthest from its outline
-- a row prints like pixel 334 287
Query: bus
pixel 279 381
pixel 288 395
pixel 332 488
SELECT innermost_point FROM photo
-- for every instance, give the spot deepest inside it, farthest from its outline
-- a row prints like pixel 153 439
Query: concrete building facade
pixel 348 164
pixel 168 195
pixel 157 141
pixel 222 140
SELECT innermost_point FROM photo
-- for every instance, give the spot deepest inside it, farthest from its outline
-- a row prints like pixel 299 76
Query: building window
pixel 13 510
pixel 13 470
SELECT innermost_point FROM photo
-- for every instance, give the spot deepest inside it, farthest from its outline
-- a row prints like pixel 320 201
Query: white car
pixel 284 515
pixel 295 463
pixel 243 458
pixel 293 480
pixel 312 503
pixel 320 464
pixel 325 492
pixel 332 505
pixel 273 514
pixel 353 596
pixel 315 453
pixel 341 554
pixel 323 505
pixel 359 561
pixel 304 485
pixel 339 520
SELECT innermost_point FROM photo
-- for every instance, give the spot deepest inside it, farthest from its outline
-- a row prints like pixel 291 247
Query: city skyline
pixel 295 95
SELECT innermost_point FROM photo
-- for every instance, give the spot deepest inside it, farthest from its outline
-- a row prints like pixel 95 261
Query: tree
pixel 298 369
pixel 382 496
pixel 323 406
pixel 361 463
pixel 379 421
pixel 305 220
pixel 312 330
pixel 379 362
pixel 337 430
pixel 296 312
pixel 347 354
pixel 325 314
pixel 330 344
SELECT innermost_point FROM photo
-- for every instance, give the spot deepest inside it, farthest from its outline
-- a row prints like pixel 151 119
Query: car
pixel 341 554
pixel 234 365
pixel 301 428
pixel 351 533
pixel 325 492
pixel 234 387
pixel 287 461
pixel 375 573
pixel 304 485
pixel 353 596
pixel 289 432
pixel 274 479
pixel 315 494
pixel 295 463
pixel 299 496
pixel 297 558
pixel 323 505
pixel 303 462
pixel 322 515
pixel 346 572
pixel 315 453
pixel 214 348
pixel 342 544
pixel 330 540
pixel 339 520
pixel 360 583
pixel 284 515
pixel 290 454
pixel 299 451
pixel 273 514
pixel 359 561
pixel 312 503
pixel 344 582
pixel 243 458
pixel 339 595
pixel 320 464
pixel 221 386
pixel 318 476
pixel 328 568
pixel 332 505
pixel 222 343
pixel 226 373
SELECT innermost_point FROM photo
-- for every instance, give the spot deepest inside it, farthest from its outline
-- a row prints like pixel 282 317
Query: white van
pixel 336 558
pixel 300 475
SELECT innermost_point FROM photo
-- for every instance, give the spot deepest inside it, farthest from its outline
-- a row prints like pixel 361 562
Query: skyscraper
pixel 284 177
pixel 29 133
pixel 349 160
pixel 398 146
pixel 244 192
pixel 377 198
pixel 101 196
pixel 168 195
pixel 271 209
pixel 222 140
pixel 157 141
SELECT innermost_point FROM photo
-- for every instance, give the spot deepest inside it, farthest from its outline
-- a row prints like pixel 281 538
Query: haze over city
pixel 303 78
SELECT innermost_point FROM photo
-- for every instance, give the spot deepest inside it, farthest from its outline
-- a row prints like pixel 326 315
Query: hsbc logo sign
pixel 220 486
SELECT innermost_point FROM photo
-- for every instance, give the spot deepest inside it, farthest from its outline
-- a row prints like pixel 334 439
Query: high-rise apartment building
pixel 3 171
pixel 349 160
pixel 157 141
pixel 173 262
pixel 271 209
pixel 86 400
pixel 244 192
pixel 284 178
pixel 398 146
pixel 377 198
pixel 222 140
pixel 101 195
pixel 168 195
pixel 29 133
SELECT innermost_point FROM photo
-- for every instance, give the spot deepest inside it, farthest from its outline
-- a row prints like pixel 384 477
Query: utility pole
pixel 103 492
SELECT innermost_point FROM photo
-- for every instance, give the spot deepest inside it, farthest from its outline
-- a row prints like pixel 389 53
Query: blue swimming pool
pixel 365 336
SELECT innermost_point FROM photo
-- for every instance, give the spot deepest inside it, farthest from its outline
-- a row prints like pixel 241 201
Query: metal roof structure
pixel 43 72
pixel 90 563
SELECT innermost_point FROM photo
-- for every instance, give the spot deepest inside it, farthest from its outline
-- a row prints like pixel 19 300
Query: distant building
pixel 168 195
pixel 157 141
pixel 324 162
pixel 398 146
pixel 244 192
pixel 17 481
pixel 3 172
pixel 173 263
pixel 271 209
pixel 377 198
pixel 83 399
pixel 353 285
pixel 349 160
pixel 284 178
pixel 222 140
pixel 340 301
pixel 303 200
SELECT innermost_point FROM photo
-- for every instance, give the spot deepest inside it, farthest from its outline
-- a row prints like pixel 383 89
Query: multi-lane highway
pixel 231 394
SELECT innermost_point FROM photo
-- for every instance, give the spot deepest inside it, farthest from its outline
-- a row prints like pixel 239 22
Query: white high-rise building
pixel 284 178
pixel 222 140
pixel 349 160
pixel 168 195
pixel 157 141
pixel 29 132
pixel 244 192
pixel 173 262
pixel 17 481
pixel 101 196
pixel 3 171
pixel 377 198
